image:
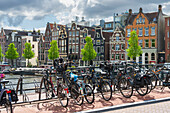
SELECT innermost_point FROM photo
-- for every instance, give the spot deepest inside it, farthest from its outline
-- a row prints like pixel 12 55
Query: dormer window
pixel 98 35
pixel 140 18
pixel 73 27
pixel 143 20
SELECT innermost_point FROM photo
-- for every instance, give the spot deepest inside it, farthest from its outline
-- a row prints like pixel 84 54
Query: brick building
pixel 167 39
pixel 150 30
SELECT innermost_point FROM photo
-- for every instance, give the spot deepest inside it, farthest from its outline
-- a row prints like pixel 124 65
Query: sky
pixel 34 14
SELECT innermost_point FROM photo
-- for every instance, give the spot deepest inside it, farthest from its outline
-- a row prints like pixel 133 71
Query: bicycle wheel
pixel 125 87
pixel 106 90
pixel 8 106
pixel 62 95
pixel 48 89
pixel 143 90
pixel 153 81
pixel 89 94
pixel 149 85
pixel 76 94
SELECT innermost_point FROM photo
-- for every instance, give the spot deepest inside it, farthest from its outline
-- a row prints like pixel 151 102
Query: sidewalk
pixel 117 99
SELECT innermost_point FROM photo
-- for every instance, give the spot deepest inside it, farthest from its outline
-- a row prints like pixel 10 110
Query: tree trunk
pixel 12 62
pixel 28 63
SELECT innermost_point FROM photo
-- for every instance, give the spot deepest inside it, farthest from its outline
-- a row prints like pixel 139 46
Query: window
pixel 140 18
pixel 73 33
pixel 147 43
pixel 82 46
pixel 134 29
pixel 152 56
pixel 117 47
pixel 73 40
pixel 122 56
pixel 167 21
pixel 117 38
pixel 153 31
pixel 141 31
pixel 82 40
pixel 98 42
pixel 128 32
pixel 168 45
pixel 153 43
pixel 147 31
pixel 168 34
pixel 32 46
pixel 140 43
pixel 98 49
pixel 77 49
pixel 70 33
pixel 122 46
pixel 70 49
pixel 77 33
pixel 69 40
pixel 117 56
pixel 137 21
pixel 57 32
pixel 62 42
pixel 113 56
pixel 143 20
pixel 74 27
pixel 113 47
pixel 108 25
pixel 102 42
pixel 77 40
pixel 128 45
pixel 73 48
pixel 63 50
pixel 98 35
pixel 102 49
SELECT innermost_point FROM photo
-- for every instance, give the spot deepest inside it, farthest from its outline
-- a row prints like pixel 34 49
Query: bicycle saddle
pixel 4 81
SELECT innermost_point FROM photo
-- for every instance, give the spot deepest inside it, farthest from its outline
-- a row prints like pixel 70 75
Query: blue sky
pixel 29 14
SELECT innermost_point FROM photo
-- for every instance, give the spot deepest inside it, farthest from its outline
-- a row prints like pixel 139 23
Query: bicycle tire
pixel 149 85
pixel 48 89
pixel 104 88
pixel 88 92
pixel 8 106
pixel 62 95
pixel 122 82
pixel 140 90
pixel 154 81
pixel 76 94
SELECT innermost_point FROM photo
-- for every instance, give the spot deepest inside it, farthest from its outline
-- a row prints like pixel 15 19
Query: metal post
pixel 21 83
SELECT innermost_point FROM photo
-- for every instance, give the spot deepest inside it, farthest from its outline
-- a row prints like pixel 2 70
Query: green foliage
pixel 53 51
pixel 28 53
pixel 1 54
pixel 12 52
pixel 38 31
pixel 134 49
pixel 29 64
pixel 88 51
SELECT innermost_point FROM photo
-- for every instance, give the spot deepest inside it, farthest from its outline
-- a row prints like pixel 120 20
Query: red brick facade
pixel 167 39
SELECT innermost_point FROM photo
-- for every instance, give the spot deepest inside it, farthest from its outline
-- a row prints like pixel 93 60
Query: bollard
pixel 21 88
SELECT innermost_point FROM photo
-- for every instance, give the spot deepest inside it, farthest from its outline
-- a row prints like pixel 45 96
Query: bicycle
pixel 103 86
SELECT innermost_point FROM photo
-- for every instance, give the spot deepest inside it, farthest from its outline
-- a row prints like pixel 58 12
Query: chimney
pixel 140 10
pixel 159 8
pixel 130 11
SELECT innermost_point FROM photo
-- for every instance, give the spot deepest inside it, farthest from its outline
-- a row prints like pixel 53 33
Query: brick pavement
pixel 162 107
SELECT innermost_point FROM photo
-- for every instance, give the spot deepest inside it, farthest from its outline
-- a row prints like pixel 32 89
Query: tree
pixel 88 51
pixel 38 31
pixel 12 52
pixel 28 53
pixel 134 49
pixel 1 54
pixel 53 51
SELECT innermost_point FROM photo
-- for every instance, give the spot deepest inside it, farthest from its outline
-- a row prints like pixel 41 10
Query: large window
pixel 77 40
pixel 70 33
pixel 141 31
pixel 167 21
pixel 62 42
pixel 122 56
pixel 152 56
pixel 147 31
pixel 168 34
pixel 70 49
pixel 122 46
pixel 77 49
pixel 73 48
pixel 69 40
pixel 140 43
pixel 117 47
pixel 117 56
pixel 146 43
pixel 128 32
pixel 73 33
pixel 102 49
pixel 98 49
pixel 153 43
pixel 153 31
pixel 113 55
pixel 113 47
pixel 73 40
pixel 77 33
pixel 108 25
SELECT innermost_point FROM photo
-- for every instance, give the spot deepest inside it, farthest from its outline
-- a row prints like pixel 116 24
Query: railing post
pixel 21 83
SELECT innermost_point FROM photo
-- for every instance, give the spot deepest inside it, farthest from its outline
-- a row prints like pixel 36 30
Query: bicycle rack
pixel 11 86
pixel 37 87
pixel 25 97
